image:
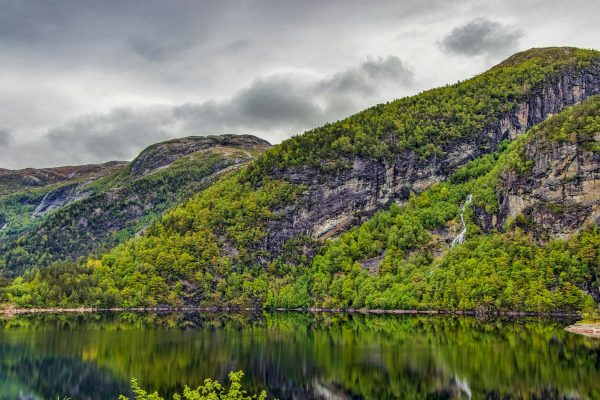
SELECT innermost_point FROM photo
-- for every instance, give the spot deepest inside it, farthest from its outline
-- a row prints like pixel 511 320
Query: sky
pixel 86 81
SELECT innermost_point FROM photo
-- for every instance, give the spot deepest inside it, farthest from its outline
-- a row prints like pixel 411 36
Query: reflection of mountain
pixel 27 374
pixel 299 356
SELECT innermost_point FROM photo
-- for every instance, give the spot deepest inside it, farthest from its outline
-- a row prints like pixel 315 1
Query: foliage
pixel 179 260
pixel 392 260
pixel 211 390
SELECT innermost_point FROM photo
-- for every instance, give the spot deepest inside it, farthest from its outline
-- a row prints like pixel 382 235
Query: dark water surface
pixel 297 356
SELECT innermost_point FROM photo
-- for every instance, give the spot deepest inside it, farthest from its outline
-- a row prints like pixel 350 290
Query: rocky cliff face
pixel 60 197
pixel 558 196
pixel 334 203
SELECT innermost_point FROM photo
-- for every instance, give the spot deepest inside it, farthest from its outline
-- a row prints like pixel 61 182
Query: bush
pixel 211 390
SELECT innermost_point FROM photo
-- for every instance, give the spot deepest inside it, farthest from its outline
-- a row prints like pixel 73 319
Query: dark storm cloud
pixel 5 137
pixel 482 37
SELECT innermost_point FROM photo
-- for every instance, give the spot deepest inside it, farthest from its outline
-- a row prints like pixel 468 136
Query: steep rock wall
pixel 335 203
pixel 559 196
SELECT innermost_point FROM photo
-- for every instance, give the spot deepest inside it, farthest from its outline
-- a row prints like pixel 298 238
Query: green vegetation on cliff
pixel 428 122
pixel 390 261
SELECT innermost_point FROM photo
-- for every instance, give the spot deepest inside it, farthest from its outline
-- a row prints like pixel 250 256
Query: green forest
pixel 120 205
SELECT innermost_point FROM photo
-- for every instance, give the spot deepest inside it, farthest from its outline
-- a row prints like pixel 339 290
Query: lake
pixel 297 355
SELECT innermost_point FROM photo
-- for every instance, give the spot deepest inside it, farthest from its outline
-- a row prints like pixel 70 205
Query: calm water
pixel 297 356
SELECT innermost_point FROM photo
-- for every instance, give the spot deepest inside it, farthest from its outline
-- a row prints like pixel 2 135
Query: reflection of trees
pixel 50 377
pixel 302 355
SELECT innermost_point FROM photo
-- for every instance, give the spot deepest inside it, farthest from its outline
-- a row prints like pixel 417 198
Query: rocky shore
pixel 591 330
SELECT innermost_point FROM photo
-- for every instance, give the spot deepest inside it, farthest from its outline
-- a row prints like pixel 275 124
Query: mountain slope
pixel 30 193
pixel 78 217
pixel 343 172
pixel 12 181
pixel 250 238
pixel 407 257
pixel 556 191
pixel 377 157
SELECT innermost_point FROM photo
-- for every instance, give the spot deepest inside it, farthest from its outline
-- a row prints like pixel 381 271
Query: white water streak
pixel 460 238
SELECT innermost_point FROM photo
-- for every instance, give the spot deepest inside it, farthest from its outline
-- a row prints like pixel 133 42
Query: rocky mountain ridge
pixel 559 192
pixel 163 154
pixel 344 199
pixel 12 180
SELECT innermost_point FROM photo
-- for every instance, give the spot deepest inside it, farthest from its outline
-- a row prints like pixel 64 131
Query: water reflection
pixel 297 356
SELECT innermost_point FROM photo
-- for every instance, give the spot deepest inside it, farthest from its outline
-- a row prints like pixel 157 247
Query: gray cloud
pixel 286 104
pixel 75 73
pixel 369 76
pixel 482 36
pixel 274 107
pixel 5 137
pixel 117 134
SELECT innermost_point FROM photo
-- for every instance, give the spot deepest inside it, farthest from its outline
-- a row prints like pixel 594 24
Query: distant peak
pixel 164 153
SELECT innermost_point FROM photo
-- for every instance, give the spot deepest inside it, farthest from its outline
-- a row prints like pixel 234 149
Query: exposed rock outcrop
pixel 559 196
pixel 60 197
pixel 334 203
pixel 162 154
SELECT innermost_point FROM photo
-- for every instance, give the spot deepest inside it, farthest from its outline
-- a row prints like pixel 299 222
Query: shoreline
pixel 364 311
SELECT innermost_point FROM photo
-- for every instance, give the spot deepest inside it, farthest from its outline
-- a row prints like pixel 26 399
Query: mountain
pixel 467 196
pixel 80 210
pixel 512 230
pixel 12 181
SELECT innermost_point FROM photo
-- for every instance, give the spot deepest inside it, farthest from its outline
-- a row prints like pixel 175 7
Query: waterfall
pixel 463 233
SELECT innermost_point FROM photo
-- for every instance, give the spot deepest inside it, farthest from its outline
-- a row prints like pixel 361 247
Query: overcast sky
pixel 91 81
